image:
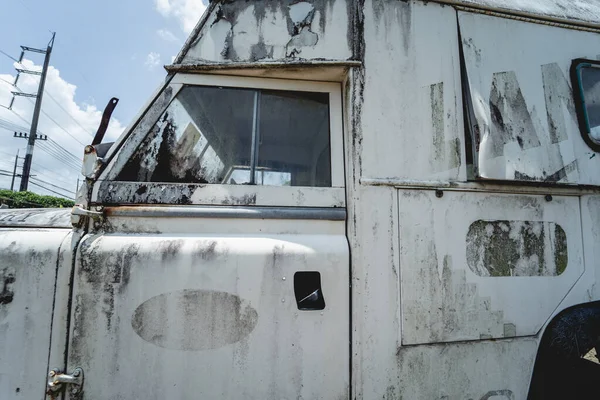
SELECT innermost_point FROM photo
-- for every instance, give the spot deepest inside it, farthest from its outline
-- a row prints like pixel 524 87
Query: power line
pixel 64 151
pixel 52 191
pixel 60 126
pixel 9 56
pixel 13 127
pixel 53 120
pixel 49 117
pixel 69 114
pixel 60 159
pixel 50 184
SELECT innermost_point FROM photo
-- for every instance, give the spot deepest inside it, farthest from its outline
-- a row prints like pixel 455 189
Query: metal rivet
pixel 548 197
pixel 76 373
pixel 283 300
pixel 439 193
pixel 283 278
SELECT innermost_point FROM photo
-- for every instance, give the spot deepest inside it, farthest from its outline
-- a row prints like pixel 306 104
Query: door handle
pixel 308 291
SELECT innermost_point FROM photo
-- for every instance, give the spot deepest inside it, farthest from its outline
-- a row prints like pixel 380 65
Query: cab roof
pixel 586 12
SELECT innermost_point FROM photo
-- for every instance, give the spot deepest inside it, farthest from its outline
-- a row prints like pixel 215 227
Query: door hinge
pixel 57 380
pixel 78 212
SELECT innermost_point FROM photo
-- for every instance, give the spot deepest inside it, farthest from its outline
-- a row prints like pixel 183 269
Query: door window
pixel 225 135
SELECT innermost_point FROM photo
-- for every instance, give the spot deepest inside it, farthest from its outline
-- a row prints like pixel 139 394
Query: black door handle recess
pixel 308 291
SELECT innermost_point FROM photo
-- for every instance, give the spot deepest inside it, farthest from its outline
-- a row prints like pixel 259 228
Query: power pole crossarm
pixel 28 71
pixel 36 114
pixel 24 94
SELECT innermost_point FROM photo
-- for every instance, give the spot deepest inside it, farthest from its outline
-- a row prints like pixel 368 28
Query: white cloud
pixel 167 35
pixel 152 60
pixel 188 12
pixel 51 167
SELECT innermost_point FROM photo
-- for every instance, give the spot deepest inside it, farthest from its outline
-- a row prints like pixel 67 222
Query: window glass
pixel 585 75
pixel 590 82
pixel 293 138
pixel 237 136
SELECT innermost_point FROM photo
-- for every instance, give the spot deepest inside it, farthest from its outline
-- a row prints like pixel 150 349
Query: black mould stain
pixel 557 176
pixel 7 279
pixel 194 320
pixel 516 248
pixel 206 250
pixel 141 190
pixel 558 94
pixel 249 199
pixel 169 249
pixel 511 120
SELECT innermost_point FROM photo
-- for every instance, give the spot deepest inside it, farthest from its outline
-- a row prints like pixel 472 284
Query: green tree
pixel 32 200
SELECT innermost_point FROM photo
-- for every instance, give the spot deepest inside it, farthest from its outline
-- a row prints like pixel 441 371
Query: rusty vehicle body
pixel 330 199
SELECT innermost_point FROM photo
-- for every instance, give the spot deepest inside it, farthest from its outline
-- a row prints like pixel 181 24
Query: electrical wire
pixel 50 175
pixel 53 120
pixel 60 159
pixel 50 190
pixel 50 184
pixel 9 56
pixel 68 113
pixel 13 127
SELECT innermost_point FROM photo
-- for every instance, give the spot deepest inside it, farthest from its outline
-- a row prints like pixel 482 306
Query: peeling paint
pixel 511 121
pixel 42 218
pixel 516 248
pixel 558 94
pixel 275 30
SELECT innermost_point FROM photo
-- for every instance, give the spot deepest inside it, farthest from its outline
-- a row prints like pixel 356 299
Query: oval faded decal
pixel 194 319
pixel 516 248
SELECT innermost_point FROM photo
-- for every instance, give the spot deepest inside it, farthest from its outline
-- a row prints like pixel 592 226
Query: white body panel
pixel 28 266
pixel 437 285
pixel 213 314
pixel 446 299
pixel 534 93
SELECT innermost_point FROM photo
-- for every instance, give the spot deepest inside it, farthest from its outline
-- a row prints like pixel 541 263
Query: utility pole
pixel 12 184
pixel 36 112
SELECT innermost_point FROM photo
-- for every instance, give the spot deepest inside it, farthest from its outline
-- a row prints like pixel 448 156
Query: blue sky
pixel 102 49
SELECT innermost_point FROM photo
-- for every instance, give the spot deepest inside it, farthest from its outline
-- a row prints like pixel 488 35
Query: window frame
pixel 335 106
pixel 107 191
pixel 579 98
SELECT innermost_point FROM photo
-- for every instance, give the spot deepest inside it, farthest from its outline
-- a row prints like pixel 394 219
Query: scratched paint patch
pixel 194 320
pixel 516 248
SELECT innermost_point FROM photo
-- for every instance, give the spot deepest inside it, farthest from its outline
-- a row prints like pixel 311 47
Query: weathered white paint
pixel 28 264
pixel 568 11
pixel 36 217
pixel 411 122
pixel 197 301
pixel 125 193
pixel 445 300
pixel 214 315
pixel 532 79
pixel 274 30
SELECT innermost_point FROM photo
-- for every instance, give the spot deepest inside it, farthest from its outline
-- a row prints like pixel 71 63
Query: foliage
pixel 32 200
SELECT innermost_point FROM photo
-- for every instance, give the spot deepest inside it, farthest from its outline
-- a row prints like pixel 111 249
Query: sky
pixel 103 49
